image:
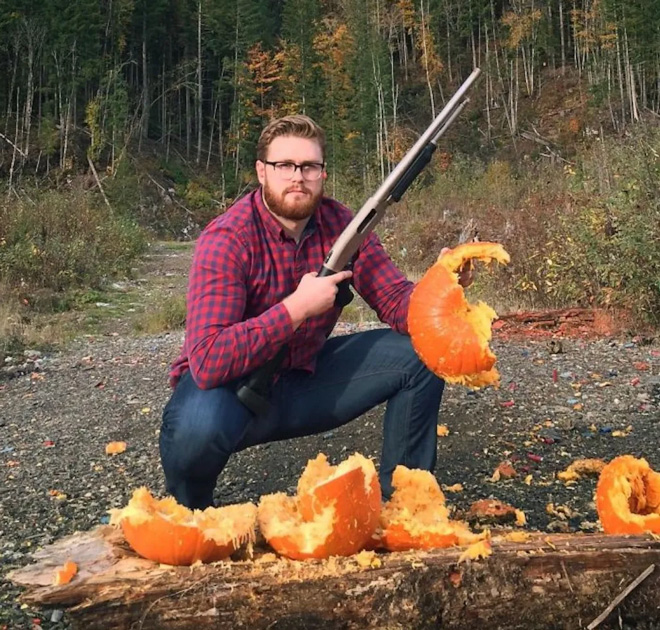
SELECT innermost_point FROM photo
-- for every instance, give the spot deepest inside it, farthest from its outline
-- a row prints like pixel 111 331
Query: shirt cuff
pixel 280 324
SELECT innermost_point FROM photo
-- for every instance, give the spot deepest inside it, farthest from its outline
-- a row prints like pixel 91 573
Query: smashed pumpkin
pixel 628 497
pixel 164 531
pixel 416 516
pixel 334 513
pixel 65 573
pixel 449 334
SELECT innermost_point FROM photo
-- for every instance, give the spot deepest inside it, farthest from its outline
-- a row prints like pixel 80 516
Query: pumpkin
pixel 169 533
pixel 416 517
pixel 628 497
pixel 114 448
pixel 449 334
pixel 65 573
pixel 334 513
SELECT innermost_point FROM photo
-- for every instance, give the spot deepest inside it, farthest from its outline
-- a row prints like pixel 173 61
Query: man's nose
pixel 297 174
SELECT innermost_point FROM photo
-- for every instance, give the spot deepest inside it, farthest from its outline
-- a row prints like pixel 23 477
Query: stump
pixel 549 581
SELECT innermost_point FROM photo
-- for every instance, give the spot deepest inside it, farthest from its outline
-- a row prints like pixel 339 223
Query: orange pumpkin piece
pixel 628 497
pixel 416 516
pixel 334 513
pixel 114 448
pixel 449 334
pixel 65 573
pixel 169 533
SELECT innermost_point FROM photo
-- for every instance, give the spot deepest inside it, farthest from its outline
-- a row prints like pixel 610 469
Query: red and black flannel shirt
pixel 245 265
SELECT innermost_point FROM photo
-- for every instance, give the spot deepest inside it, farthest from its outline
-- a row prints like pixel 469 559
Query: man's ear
pixel 261 171
pixel 325 175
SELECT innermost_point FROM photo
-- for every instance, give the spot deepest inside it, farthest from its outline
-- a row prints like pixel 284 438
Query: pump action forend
pixel 392 189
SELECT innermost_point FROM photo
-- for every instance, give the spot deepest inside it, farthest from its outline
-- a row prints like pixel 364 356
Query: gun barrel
pixel 432 133
pixel 373 210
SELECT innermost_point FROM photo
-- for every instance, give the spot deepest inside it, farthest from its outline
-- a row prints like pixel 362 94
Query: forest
pixel 122 120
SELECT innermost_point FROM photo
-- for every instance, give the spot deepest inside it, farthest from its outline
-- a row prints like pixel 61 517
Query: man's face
pixel 295 198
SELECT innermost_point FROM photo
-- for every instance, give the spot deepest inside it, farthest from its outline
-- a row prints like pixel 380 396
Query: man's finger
pixel 341 275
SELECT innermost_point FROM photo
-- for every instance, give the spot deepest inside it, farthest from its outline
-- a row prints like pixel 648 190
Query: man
pixel 253 288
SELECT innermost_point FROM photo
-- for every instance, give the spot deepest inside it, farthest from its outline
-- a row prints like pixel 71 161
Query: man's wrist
pixel 297 311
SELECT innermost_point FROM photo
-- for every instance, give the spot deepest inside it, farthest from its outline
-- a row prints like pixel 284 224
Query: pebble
pixel 56 615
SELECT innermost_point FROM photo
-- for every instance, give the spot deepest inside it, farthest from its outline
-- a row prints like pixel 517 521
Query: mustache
pixel 297 189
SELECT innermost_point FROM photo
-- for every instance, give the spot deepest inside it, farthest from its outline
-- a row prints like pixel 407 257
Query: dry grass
pixel 22 328
pixel 170 315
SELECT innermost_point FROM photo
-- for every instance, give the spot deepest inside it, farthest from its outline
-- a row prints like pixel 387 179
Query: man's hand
pixel 313 296
pixel 465 273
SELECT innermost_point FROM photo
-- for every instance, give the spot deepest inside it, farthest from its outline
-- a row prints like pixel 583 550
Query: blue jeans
pixel 202 428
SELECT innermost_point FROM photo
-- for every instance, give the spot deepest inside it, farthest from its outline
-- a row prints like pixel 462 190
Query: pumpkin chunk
pixel 334 513
pixel 416 516
pixel 449 334
pixel 164 531
pixel 628 497
pixel 65 573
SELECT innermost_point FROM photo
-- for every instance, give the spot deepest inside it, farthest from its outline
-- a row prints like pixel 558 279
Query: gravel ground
pixel 588 398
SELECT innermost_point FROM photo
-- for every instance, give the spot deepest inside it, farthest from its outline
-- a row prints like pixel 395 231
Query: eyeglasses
pixel 311 171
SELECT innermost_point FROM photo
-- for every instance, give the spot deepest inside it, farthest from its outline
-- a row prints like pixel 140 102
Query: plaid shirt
pixel 245 265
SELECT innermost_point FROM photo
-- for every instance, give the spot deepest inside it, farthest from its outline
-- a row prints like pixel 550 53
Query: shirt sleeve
pixel 220 346
pixel 382 284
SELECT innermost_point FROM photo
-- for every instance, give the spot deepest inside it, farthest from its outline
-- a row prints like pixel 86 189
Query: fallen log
pixel 548 581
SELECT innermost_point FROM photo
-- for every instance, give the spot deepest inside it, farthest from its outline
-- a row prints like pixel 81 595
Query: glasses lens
pixel 285 169
pixel 311 171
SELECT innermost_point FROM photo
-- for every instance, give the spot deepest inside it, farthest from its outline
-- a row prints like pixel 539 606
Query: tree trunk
pixel 144 126
pixel 547 582
pixel 426 52
pixel 200 93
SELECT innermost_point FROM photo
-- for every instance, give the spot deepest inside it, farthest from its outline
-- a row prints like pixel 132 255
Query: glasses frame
pixel 296 167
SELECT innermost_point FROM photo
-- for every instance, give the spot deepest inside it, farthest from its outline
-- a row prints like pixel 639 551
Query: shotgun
pixel 254 391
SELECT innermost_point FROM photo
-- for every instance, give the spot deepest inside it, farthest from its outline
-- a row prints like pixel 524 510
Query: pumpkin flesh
pixel 334 513
pixel 416 517
pixel 450 334
pixel 166 532
pixel 628 497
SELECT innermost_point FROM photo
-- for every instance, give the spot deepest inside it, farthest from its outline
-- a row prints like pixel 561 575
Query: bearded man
pixel 253 288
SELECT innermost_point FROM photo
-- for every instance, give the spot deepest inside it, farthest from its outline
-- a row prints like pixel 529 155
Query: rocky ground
pixel 562 397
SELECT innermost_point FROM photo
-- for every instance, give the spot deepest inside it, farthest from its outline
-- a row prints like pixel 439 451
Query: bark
pixel 550 581
pixel 200 93
pixel 144 127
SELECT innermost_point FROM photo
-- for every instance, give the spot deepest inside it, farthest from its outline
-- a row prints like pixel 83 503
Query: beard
pixel 294 209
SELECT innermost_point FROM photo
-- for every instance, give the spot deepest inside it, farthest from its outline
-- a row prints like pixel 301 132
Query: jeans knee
pixel 200 424
pixel 416 366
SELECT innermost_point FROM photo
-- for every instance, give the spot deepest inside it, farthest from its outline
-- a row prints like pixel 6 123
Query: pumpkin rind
pixel 169 533
pixel 628 497
pixel 334 513
pixel 416 516
pixel 449 334
pixel 65 573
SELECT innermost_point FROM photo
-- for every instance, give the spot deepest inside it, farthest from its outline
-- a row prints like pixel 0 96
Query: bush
pixel 609 244
pixel 578 235
pixel 64 240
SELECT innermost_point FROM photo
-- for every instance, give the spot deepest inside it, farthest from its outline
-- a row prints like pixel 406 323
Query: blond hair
pixel 297 125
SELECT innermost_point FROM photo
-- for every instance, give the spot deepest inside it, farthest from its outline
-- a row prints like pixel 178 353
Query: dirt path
pixel 561 398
